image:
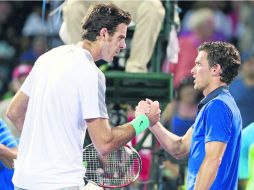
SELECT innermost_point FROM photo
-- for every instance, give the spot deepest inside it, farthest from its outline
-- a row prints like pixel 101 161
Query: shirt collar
pixel 212 95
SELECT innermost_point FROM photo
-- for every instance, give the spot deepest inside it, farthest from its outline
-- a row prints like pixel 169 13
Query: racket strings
pixel 119 167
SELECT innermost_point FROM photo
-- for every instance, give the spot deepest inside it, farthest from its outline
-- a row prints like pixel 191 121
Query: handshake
pixel 147 114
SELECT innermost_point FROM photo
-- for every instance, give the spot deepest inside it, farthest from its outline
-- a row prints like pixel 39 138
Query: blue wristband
pixel 140 123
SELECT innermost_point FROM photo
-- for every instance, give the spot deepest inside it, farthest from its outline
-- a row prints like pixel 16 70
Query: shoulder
pixel 218 103
pixel 218 106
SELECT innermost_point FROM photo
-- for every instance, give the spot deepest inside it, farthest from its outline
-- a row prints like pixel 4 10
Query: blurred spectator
pixel 19 75
pixel 180 114
pixel 246 27
pixel 46 23
pixel 38 47
pixel 244 172
pixel 244 84
pixel 8 152
pixel 234 16
pixel 147 15
pixel 7 51
pixel 34 25
pixel 4 70
pixel 178 117
pixel 6 9
pixel 222 22
pixel 202 29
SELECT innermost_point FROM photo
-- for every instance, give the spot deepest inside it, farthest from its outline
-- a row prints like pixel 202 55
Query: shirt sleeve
pixel 92 95
pixel 218 122
pixel 27 85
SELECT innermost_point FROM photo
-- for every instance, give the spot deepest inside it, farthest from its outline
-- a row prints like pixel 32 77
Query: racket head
pixel 118 169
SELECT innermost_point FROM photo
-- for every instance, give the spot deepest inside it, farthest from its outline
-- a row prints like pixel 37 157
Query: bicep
pixel 215 149
pixel 99 131
pixel 17 109
pixel 19 103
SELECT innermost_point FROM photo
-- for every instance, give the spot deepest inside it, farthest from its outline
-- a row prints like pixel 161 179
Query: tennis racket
pixel 117 169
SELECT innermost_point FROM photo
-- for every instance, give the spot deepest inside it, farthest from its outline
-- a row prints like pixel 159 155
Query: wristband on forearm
pixel 140 123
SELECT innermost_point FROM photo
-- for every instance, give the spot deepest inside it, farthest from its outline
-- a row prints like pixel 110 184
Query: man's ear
pixel 103 33
pixel 216 70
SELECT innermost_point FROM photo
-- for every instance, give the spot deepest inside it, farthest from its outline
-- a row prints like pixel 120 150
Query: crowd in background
pixel 25 36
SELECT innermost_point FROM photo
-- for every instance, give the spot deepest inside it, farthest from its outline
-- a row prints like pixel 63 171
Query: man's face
pixel 115 43
pixel 201 72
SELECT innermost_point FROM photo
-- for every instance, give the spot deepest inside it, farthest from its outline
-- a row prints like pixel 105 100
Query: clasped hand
pixel 149 108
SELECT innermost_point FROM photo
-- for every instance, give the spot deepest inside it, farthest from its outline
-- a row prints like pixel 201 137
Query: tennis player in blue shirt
pixel 213 142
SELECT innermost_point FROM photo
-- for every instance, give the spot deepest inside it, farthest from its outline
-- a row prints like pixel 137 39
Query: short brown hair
pixel 103 16
pixel 224 54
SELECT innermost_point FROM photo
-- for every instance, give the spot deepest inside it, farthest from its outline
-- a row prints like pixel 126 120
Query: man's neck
pixel 212 87
pixel 92 47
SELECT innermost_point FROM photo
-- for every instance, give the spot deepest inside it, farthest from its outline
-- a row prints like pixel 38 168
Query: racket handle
pixel 140 123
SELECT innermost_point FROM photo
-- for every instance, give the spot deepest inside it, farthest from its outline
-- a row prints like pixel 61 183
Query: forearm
pixel 9 153
pixel 121 135
pixel 172 143
pixel 106 138
pixel 207 173
pixel 17 110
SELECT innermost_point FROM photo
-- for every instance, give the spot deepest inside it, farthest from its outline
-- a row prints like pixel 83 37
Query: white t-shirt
pixel 64 87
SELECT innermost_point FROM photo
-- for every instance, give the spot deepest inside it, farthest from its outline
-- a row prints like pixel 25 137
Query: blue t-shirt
pixel 6 174
pixel 219 120
pixel 247 140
